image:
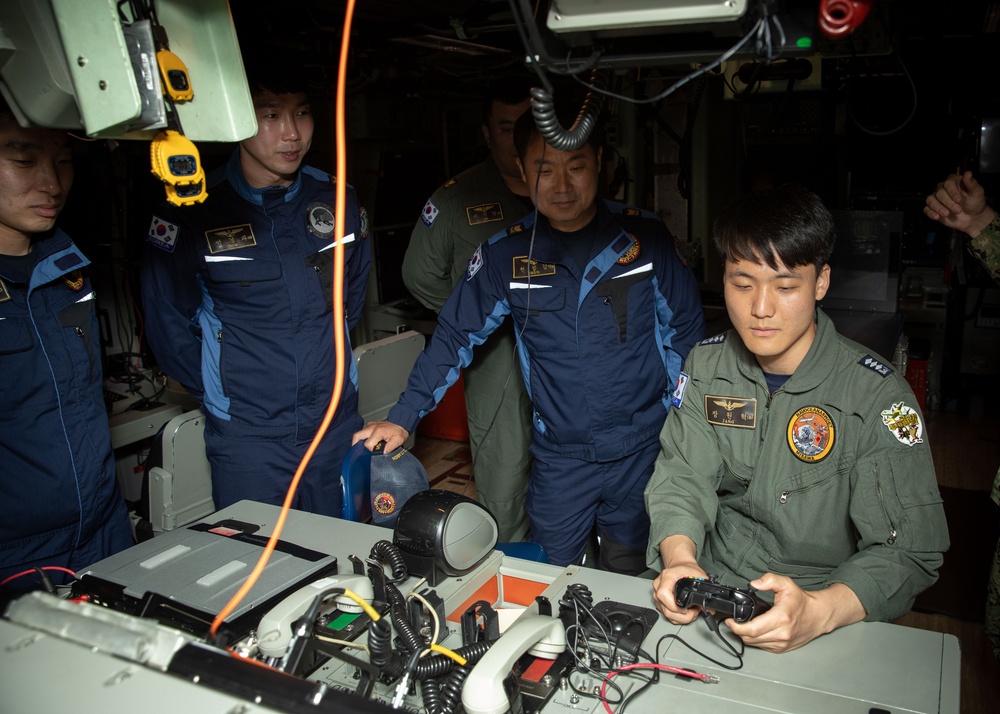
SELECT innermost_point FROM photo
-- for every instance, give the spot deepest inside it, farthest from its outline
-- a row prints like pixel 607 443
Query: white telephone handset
pixel 539 635
pixel 275 629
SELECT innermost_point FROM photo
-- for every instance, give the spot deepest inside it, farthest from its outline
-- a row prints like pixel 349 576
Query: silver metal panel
pixel 587 15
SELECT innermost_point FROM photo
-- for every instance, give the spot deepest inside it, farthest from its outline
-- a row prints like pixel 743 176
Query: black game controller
pixel 710 594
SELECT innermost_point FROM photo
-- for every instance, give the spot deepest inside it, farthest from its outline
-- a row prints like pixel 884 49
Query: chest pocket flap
pixel 245 271
pixel 539 298
pixel 14 336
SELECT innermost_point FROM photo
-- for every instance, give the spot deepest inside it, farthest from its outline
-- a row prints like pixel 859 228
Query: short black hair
pixel 788 223
pixel 511 90
pixel 273 74
pixel 526 131
pixel 6 113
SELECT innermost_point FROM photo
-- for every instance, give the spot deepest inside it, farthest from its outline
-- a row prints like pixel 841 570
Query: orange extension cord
pixel 338 327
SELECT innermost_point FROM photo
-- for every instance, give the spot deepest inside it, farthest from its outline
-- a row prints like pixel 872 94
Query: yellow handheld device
pixel 175 161
pixel 176 80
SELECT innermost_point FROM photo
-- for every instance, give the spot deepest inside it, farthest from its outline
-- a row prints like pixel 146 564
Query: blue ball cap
pixel 395 477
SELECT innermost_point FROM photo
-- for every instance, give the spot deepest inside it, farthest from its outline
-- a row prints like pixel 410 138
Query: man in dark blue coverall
pixel 238 299
pixel 61 506
pixel 605 312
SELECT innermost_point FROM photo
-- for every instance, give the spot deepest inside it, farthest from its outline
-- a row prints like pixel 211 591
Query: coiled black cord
pixel 451 690
pixel 543 110
pixel 385 552
pixel 380 642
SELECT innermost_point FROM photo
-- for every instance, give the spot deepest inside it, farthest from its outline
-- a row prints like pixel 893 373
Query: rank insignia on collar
pixel 449 183
pixel 810 434
pixel 238 237
pixel 4 293
pixel 739 412
pixel 631 211
pixel 484 213
pixel 904 424
pixel 516 228
pixel 632 253
pixel 320 220
pixel 524 268
pixel 74 281
pixel 716 340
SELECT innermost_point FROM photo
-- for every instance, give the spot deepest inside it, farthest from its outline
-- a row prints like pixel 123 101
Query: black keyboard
pixel 110 397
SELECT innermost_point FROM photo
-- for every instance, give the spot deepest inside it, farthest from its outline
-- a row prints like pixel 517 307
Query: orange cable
pixel 338 329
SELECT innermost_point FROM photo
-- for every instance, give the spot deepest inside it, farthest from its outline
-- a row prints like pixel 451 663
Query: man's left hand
pixel 798 616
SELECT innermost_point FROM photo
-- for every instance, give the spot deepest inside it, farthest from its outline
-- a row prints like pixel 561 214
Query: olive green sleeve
pixel 896 511
pixel 681 493
pixel 427 266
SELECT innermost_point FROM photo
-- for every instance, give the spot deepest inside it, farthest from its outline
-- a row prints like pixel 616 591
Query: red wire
pixel 29 572
pixel 648 665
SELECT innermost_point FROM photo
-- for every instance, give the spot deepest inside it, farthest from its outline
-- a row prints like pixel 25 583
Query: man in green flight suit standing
pixel 464 212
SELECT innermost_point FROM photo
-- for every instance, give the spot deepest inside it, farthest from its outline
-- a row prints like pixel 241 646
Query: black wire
pixel 47 583
pixel 718 632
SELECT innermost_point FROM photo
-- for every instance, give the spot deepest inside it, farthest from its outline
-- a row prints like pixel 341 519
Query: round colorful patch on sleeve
pixel 904 424
pixel 810 434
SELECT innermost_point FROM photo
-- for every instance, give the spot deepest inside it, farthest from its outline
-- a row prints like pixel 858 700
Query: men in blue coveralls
pixel 460 215
pixel 605 312
pixel 61 505
pixel 238 299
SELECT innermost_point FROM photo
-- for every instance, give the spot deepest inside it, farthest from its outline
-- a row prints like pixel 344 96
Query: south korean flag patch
pixel 162 234
pixel 678 396
pixel 475 263
pixel 430 213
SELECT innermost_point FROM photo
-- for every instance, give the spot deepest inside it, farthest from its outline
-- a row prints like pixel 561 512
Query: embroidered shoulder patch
pixel 875 365
pixel 429 214
pixel 740 412
pixel 162 234
pixel 677 398
pixel 679 250
pixel 363 222
pixel 319 220
pixel 716 340
pixel 903 423
pixel 475 263
pixel 810 434
pixel 632 253
pixel 74 280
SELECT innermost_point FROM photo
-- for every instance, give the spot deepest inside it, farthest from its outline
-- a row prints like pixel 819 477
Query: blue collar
pixel 234 174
